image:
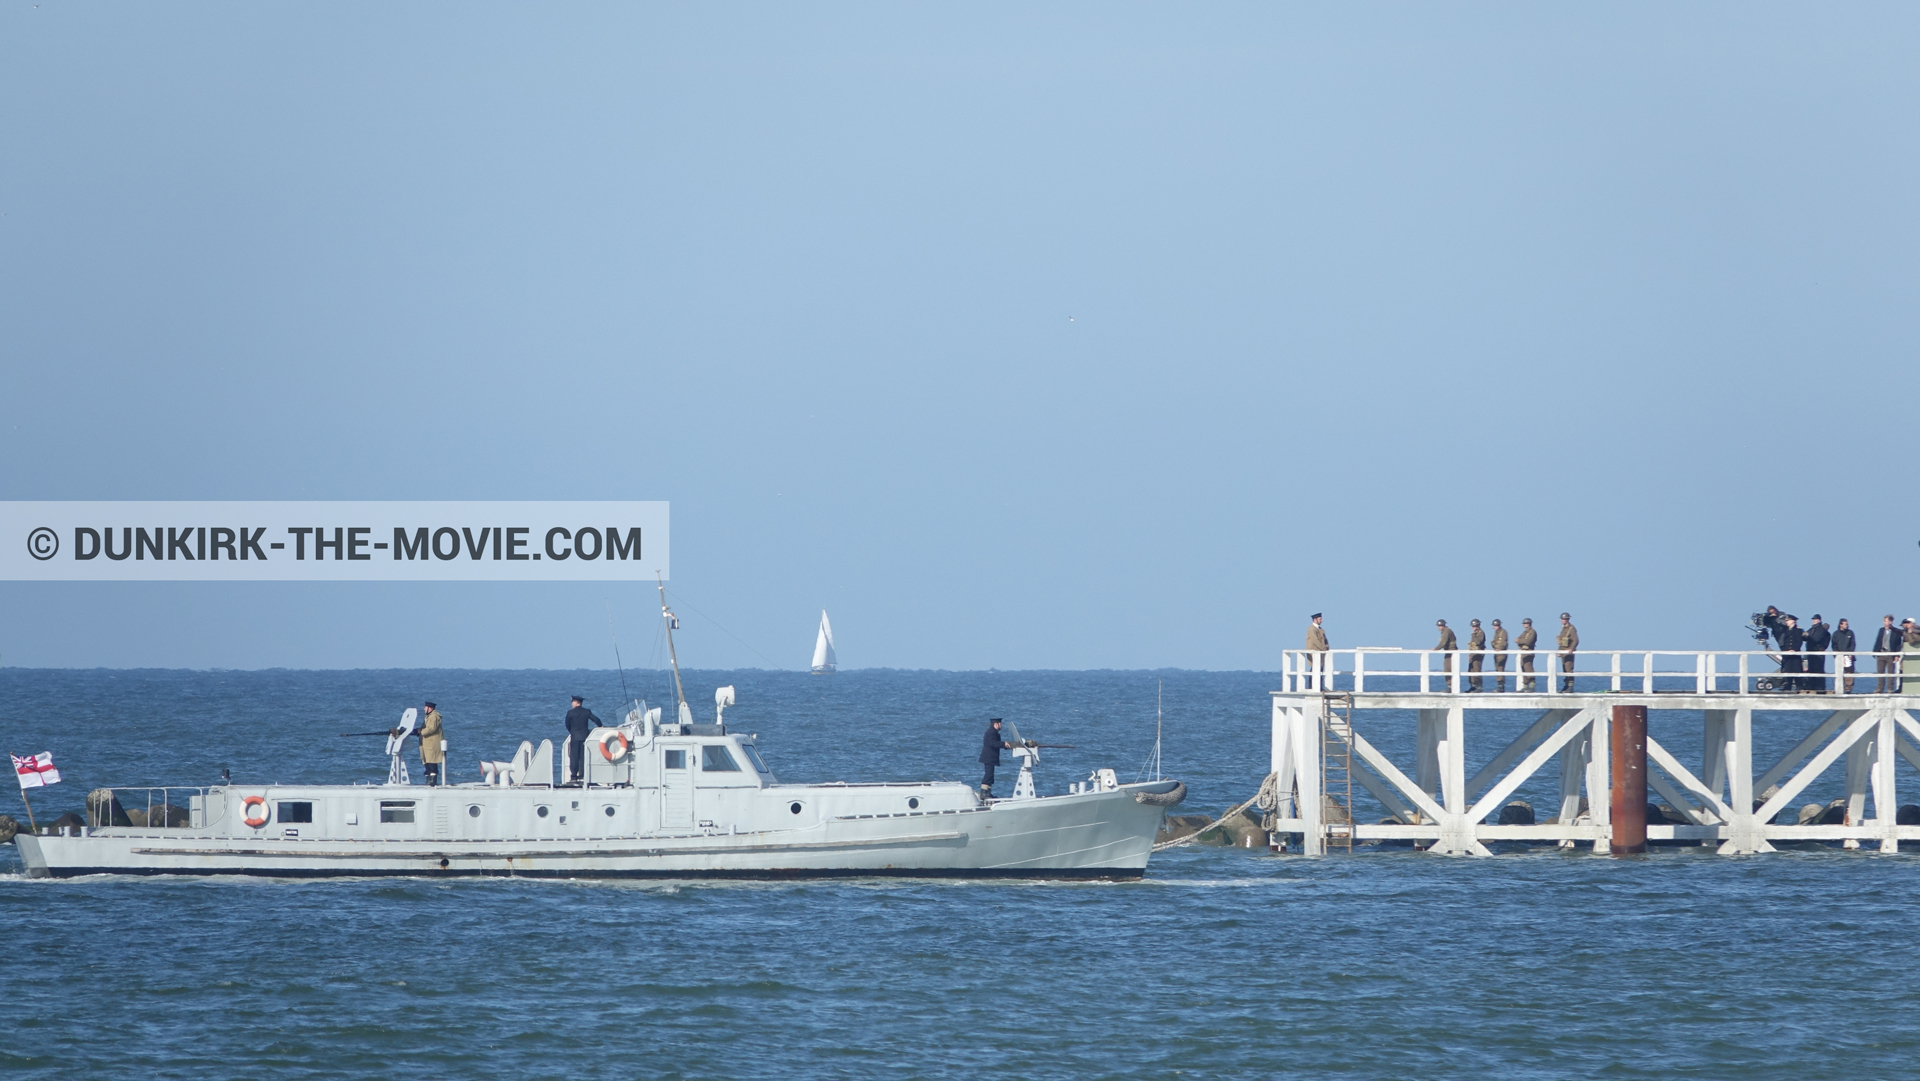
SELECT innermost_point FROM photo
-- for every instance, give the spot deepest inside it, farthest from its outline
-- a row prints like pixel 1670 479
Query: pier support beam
pixel 1629 738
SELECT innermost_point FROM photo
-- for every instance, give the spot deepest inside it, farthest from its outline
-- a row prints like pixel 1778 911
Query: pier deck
pixel 1325 709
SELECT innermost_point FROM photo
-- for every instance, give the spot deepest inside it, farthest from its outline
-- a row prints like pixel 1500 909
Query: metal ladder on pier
pixel 1336 768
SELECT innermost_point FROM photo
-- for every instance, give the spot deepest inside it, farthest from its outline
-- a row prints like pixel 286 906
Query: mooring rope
pixel 1269 792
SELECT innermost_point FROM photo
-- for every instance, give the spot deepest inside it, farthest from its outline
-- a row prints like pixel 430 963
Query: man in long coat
pixel 1319 655
pixel 433 749
pixel 1885 667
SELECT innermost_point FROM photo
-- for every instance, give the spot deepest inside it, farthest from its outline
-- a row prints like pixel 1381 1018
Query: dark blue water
pixel 1219 964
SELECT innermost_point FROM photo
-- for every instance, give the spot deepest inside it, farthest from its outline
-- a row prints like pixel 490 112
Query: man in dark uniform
pixel 990 747
pixel 1819 637
pixel 1528 636
pixel 1792 638
pixel 1500 653
pixel 580 721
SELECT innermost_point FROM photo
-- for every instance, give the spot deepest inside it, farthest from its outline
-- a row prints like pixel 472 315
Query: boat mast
pixel 672 621
pixel 1159 701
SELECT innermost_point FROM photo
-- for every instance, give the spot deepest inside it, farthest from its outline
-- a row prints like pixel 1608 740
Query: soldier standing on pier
pixel 1569 641
pixel 1819 637
pixel 1476 640
pixel 1528 636
pixel 1885 642
pixel 1322 658
pixel 1843 646
pixel 1448 643
pixel 1500 656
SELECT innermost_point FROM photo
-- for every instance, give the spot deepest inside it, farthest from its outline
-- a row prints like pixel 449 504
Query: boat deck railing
pixel 1386 670
pixel 149 808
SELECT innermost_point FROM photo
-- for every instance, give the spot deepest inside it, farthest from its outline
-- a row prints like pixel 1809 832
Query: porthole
pixel 794 807
pixel 913 803
pixel 473 811
pixel 609 812
pixel 541 811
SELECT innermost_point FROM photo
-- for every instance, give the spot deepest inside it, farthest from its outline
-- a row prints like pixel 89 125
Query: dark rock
pixel 103 809
pixel 1178 826
pixel 8 827
pixel 1907 815
pixel 1517 813
pixel 68 822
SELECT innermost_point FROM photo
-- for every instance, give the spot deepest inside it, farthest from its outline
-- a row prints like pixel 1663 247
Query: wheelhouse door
pixel 676 788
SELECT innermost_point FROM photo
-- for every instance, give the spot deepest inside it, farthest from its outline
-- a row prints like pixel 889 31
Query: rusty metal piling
pixel 1629 811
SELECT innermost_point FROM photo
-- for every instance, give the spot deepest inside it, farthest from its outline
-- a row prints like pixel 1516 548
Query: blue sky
pixel 1025 336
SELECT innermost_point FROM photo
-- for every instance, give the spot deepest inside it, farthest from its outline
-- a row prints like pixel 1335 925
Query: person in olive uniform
pixel 1320 658
pixel 1476 661
pixel 1819 637
pixel 1885 641
pixel 1447 642
pixel 433 752
pixel 1499 656
pixel 1526 641
pixel 1843 647
pixel 1569 642
pixel 990 747
pixel 580 722
pixel 1792 641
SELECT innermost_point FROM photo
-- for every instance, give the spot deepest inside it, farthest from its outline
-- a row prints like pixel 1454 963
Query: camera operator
pixel 1774 622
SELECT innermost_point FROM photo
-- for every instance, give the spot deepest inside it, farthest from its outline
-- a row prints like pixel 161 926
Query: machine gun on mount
pixel 396 742
pixel 1028 752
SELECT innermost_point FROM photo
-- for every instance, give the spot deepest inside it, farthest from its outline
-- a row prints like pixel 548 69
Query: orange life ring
pixel 606 747
pixel 251 804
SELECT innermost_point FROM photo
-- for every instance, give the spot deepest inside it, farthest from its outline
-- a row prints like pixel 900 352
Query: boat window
pixel 293 811
pixel 754 757
pixel 396 810
pixel 473 810
pixel 541 811
pixel 715 759
pixel 677 759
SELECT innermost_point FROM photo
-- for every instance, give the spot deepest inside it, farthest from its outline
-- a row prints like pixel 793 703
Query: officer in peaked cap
pixel 433 744
pixel 580 722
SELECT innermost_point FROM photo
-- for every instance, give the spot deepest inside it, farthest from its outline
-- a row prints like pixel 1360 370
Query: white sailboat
pixel 823 660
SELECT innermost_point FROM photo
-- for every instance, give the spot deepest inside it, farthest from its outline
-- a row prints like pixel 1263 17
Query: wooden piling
pixel 1629 747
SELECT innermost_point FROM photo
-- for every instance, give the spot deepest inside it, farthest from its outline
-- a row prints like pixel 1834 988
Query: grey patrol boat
pixel 658 800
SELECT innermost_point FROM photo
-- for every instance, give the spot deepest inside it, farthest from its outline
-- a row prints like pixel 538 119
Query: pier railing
pixel 1379 670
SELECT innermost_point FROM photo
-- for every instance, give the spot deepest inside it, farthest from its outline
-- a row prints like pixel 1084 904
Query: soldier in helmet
pixel 1527 639
pixel 1569 642
pixel 1448 644
pixel 1476 641
pixel 1500 656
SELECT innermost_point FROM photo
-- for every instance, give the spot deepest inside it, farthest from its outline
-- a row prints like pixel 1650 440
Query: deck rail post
pixel 1629 753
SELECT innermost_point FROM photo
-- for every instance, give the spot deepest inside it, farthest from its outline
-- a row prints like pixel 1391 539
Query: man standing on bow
pixel 1569 642
pixel 990 747
pixel 1500 656
pixel 1885 667
pixel 580 722
pixel 1527 640
pixel 433 743
pixel 1319 655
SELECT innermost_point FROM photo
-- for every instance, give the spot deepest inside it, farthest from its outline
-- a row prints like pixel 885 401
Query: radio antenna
pixel 616 654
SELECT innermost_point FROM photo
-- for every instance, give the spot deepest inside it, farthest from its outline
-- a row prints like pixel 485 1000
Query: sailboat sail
pixel 823 659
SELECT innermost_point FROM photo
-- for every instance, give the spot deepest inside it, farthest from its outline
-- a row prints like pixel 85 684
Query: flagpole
pixel 31 824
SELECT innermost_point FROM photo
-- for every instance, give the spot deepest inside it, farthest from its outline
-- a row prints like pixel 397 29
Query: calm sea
pixel 1219 964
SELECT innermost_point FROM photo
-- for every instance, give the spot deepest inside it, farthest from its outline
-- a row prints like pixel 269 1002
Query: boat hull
pixel 1089 835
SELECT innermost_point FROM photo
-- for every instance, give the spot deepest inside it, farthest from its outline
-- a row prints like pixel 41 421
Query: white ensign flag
pixel 35 771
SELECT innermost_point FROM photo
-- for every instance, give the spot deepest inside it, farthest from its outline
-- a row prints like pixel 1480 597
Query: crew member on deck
pixel 990 747
pixel 580 721
pixel 432 735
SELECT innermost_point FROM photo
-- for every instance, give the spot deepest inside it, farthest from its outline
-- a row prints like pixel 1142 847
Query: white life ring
pixel 252 804
pixel 607 749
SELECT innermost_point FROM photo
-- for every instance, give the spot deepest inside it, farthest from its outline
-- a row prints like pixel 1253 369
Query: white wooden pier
pixel 1331 701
